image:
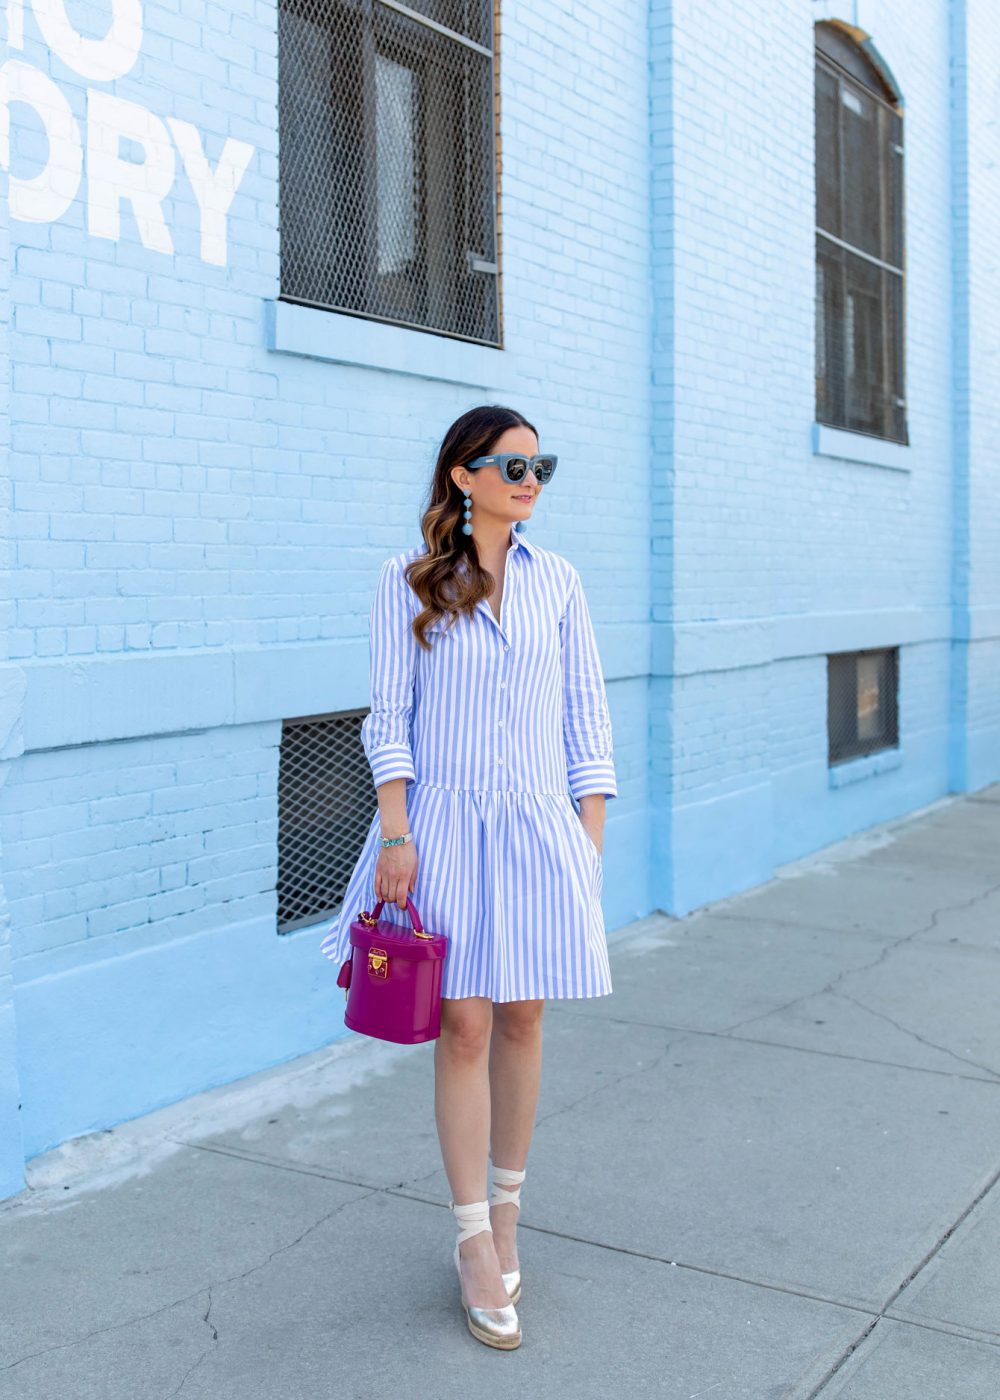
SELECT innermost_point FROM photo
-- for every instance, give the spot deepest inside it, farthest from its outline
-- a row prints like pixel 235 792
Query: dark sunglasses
pixel 514 466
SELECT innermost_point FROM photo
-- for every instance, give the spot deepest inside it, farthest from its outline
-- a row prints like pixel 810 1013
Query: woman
pixel 488 717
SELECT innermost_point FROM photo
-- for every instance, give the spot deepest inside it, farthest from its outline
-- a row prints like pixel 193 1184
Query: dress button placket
pixel 506 647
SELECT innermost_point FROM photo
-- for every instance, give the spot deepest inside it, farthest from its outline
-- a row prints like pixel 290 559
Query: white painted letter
pixel 47 195
pixel 100 59
pixel 214 191
pixel 15 24
pixel 111 179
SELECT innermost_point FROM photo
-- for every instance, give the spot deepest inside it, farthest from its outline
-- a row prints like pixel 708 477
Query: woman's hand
pixel 396 873
pixel 592 810
pixel 598 840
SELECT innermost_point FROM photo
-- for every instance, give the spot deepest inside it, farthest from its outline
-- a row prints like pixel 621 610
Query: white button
pixel 503 685
pixel 499 721
pixel 506 646
pixel 499 760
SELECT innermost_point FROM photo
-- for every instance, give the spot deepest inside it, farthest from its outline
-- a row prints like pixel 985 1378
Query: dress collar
pixel 520 539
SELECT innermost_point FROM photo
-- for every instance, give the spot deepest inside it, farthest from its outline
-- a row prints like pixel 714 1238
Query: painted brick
pixel 178 490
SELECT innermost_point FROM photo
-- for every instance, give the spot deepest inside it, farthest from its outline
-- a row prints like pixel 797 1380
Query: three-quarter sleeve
pixel 386 729
pixel 586 720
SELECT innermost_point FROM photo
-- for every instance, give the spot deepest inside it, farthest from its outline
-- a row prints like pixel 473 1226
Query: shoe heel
pixel 496 1327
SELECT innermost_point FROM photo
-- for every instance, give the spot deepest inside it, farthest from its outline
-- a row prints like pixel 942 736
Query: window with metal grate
pixel 325 806
pixel 387 162
pixel 862 702
pixel 859 242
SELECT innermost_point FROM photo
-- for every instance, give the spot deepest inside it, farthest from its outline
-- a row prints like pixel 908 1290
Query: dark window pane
pixel 893 142
pixel 859 350
pixel 841 705
pixel 862 206
pixel 454 192
pixel 321 136
pixel 325 806
pixel 870 701
pixel 396 165
pixel 473 18
pixel 388 197
pixel 863 344
pixel 896 407
pixel 827 152
pixel 835 44
pixel 830 401
pixel 859 204
pixel 862 703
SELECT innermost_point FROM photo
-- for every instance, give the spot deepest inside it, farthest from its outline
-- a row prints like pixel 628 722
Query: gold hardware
pixel 378 962
pixel 365 918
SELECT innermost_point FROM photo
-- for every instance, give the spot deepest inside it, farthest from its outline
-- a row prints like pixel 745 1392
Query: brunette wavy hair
pixel 449 578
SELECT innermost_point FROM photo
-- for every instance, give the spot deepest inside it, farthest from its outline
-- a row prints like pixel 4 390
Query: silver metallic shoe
pixel 497 1327
pixel 507 1176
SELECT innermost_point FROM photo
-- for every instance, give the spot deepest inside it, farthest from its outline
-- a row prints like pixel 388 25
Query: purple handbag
pixel 392 978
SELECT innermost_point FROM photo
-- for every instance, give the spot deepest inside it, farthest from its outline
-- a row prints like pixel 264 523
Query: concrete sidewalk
pixel 765 1168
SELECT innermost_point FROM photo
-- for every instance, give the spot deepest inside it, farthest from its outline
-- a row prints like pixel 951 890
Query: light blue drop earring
pixel 467 527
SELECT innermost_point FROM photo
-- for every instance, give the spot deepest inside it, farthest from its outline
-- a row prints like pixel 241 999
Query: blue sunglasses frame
pixel 504 459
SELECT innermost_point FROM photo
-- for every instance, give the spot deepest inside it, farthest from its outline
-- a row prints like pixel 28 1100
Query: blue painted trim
pixel 11 1145
pixel 88 699
pixel 144 695
pixel 860 447
pixel 856 769
pixel 693 648
pixel 959 776
pixel 94 699
pixel 354 340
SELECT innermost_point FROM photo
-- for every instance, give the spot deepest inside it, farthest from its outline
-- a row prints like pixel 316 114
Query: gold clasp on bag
pixel 378 962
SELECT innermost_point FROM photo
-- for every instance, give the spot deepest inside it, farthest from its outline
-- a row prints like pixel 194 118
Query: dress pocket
pixel 596 856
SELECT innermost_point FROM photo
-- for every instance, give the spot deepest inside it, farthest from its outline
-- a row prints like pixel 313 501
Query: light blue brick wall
pixel 976 194
pixel 200 519
pixel 204 485
pixel 767 554
pixel 11 699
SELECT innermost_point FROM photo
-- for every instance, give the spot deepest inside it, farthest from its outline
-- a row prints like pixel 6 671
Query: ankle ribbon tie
pixel 506 1176
pixel 473 1218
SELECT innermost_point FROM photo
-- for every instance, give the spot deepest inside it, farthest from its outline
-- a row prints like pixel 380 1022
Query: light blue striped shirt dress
pixel 496 730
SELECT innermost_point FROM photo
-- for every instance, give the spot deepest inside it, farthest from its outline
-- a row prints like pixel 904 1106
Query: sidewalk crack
pixel 915 1035
pixel 176 1302
pixel 867 967
pixel 611 1084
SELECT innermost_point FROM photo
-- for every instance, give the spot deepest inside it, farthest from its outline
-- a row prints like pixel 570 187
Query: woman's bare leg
pixel 462 1112
pixel 515 1078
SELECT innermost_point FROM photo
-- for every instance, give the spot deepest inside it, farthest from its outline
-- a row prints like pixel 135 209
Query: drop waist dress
pixel 497 729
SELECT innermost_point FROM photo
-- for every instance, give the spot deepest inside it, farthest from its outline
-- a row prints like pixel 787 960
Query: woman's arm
pixel 586 717
pixel 385 730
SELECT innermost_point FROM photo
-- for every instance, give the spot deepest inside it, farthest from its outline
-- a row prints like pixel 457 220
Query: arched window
pixel 859 241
